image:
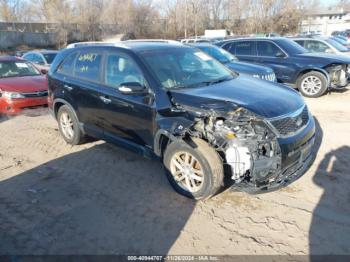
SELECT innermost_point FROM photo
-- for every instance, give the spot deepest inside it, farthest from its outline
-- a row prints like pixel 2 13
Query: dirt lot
pixel 101 199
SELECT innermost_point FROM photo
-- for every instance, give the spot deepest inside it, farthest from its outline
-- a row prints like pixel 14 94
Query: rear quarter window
pixel 230 47
pixel 66 67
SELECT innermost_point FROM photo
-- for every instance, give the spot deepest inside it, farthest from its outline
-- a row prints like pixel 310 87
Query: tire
pixel 77 136
pixel 315 78
pixel 206 159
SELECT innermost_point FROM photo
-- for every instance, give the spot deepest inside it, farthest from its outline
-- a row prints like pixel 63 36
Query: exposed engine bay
pixel 339 75
pixel 245 142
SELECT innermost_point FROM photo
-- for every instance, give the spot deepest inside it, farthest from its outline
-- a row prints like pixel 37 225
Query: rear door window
pixel 266 48
pixel 88 65
pixel 246 48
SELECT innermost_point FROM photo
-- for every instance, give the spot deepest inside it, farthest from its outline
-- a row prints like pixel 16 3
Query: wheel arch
pixel 161 141
pixel 310 69
pixel 58 103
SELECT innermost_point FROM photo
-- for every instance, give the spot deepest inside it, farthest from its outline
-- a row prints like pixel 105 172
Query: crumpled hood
pixel 326 57
pixel 247 68
pixel 24 84
pixel 264 98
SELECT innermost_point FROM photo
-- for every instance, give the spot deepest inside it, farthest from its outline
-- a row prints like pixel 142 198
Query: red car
pixel 22 86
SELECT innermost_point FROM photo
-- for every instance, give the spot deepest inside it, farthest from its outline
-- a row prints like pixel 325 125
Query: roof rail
pixel 154 40
pixel 79 44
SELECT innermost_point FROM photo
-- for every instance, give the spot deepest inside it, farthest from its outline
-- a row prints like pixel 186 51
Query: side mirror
pixel 329 50
pixel 280 54
pixel 131 88
pixel 43 71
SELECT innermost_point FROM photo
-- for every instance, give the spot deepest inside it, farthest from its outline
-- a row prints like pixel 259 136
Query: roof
pixel 202 44
pixel 252 38
pixel 43 51
pixel 10 59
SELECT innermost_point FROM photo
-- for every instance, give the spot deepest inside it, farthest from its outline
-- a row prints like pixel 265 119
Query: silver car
pixel 42 59
pixel 322 45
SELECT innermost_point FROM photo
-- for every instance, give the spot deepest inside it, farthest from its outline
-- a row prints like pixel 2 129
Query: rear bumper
pixel 297 157
pixel 15 106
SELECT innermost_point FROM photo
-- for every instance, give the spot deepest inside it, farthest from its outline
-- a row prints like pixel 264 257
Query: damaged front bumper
pixel 339 76
pixel 298 155
pixel 283 179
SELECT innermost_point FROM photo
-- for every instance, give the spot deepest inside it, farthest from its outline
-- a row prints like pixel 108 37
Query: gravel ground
pixel 100 199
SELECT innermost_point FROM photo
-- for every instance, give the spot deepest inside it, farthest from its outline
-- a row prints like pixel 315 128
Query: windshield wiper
pixel 224 79
pixel 205 83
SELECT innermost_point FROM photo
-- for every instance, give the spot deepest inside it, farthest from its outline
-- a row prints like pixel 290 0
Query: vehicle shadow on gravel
pixel 101 200
pixel 330 227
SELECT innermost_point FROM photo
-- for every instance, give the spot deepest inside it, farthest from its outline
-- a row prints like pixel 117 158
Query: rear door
pixel 127 116
pixel 245 50
pixel 80 85
pixel 269 54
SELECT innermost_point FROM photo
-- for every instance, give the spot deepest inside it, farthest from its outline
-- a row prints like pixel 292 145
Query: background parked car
pixel 232 62
pixel 21 86
pixel 311 73
pixel 342 40
pixel 42 59
pixel 322 45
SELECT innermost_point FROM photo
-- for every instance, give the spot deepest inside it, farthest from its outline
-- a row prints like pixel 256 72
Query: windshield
pixel 337 45
pixel 185 67
pixel 218 53
pixel 291 47
pixel 49 57
pixel 17 68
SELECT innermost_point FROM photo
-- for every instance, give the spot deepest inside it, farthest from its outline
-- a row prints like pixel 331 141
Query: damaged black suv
pixel 170 101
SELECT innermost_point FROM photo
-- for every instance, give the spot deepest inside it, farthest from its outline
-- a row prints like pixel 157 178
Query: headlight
pixel 11 95
pixel 257 76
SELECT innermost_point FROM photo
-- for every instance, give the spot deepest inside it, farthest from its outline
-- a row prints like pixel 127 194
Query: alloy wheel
pixel 311 85
pixel 67 125
pixel 187 171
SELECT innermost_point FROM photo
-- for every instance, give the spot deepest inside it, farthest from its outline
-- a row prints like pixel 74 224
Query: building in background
pixel 326 21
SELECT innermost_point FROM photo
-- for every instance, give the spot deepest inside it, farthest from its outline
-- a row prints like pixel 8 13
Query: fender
pixel 172 128
pixel 307 69
pixel 157 140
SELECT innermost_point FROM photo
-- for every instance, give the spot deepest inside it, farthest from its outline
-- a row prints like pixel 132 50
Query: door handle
pixel 105 99
pixel 69 88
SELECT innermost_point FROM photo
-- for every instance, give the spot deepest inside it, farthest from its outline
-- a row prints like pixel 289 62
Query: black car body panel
pixel 270 101
pixel 148 121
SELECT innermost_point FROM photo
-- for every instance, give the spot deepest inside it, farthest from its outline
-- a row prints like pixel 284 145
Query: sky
pixel 328 3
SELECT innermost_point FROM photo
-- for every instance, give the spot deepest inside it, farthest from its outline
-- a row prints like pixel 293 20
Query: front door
pixel 271 55
pixel 127 116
